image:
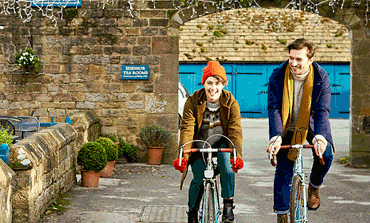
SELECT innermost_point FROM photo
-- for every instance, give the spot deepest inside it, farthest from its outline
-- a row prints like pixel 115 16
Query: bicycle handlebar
pixel 222 150
pixel 209 149
pixel 297 147
pixel 206 150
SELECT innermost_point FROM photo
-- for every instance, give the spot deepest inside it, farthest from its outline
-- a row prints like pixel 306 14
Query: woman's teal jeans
pixel 227 177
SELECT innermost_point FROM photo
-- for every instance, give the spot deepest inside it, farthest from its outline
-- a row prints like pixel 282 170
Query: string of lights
pixel 53 9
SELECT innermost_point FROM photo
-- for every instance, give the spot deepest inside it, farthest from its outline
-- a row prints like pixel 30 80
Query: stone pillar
pixel 360 97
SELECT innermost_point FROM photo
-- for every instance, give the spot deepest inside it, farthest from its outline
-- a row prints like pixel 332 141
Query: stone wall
pixel 81 67
pixel 7 180
pixel 87 126
pixel 45 164
pixel 45 167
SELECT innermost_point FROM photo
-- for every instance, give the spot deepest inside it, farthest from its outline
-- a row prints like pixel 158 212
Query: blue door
pixel 251 90
pixel 230 71
pixel 329 68
pixel 249 85
pixel 190 76
pixel 340 78
pixel 342 87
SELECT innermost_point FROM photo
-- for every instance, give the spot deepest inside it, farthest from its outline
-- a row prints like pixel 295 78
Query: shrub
pixel 92 156
pixel 154 136
pixel 5 137
pixel 110 148
pixel 112 137
pixel 121 147
pixel 128 150
pixel 132 152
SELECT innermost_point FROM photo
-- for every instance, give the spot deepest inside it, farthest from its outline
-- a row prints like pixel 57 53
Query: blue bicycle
pixel 210 210
pixel 298 193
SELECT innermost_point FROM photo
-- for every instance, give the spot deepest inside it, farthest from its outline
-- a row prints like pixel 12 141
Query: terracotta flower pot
pixel 90 178
pixel 108 169
pixel 154 155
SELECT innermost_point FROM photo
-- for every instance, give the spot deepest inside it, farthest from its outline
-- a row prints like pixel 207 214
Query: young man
pixel 299 98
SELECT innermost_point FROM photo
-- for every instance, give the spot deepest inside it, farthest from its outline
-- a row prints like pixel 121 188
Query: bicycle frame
pixel 298 170
pixel 210 178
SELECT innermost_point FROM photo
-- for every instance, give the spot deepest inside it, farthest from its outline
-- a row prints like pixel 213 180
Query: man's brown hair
pixel 299 44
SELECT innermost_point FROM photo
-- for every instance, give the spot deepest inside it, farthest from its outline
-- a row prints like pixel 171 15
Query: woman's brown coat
pixel 193 116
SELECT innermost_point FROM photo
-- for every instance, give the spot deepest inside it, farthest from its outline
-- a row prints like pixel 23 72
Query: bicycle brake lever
pixel 322 162
pixel 181 149
pixel 272 157
pixel 234 154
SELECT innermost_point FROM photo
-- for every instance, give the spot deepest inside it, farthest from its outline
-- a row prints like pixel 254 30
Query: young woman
pixel 211 110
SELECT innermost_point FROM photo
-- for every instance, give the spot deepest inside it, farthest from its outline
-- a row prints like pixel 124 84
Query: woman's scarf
pixel 304 109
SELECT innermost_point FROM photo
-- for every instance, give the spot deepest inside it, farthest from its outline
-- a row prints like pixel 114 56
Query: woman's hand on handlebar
pixel 181 168
pixel 236 166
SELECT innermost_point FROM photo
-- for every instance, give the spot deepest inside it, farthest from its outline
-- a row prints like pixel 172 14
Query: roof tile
pixel 331 38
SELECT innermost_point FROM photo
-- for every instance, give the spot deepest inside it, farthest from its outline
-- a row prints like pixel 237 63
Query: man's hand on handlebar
pixel 275 147
pixel 177 166
pixel 322 148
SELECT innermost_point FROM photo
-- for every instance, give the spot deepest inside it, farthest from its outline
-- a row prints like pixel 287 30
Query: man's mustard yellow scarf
pixel 304 109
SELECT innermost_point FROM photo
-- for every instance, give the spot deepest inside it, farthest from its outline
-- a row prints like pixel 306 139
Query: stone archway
pixel 355 22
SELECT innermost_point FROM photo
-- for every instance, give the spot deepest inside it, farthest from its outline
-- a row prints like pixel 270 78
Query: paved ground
pixel 147 193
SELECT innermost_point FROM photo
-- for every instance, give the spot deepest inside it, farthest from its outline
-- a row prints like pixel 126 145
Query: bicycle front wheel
pixel 297 200
pixel 208 204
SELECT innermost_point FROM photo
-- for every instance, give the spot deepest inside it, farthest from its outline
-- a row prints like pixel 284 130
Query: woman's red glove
pixel 239 164
pixel 181 168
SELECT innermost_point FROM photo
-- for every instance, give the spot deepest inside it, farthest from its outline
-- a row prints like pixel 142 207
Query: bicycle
pixel 210 210
pixel 298 193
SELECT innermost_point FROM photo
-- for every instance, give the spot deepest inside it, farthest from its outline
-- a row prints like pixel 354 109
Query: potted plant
pixel 112 155
pixel 5 142
pixel 5 136
pixel 155 139
pixel 28 60
pixel 92 158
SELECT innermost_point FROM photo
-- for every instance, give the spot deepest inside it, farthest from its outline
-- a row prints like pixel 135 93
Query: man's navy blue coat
pixel 320 105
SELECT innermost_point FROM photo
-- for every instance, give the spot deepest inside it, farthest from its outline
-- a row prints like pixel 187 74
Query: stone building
pixel 83 53
pixel 251 43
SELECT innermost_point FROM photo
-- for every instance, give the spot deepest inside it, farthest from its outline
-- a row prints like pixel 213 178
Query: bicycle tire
pixel 208 204
pixel 296 200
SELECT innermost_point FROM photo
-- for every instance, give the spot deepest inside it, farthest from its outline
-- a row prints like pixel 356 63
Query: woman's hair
pixel 299 44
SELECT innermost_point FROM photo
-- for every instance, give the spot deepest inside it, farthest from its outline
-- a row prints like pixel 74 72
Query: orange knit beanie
pixel 213 68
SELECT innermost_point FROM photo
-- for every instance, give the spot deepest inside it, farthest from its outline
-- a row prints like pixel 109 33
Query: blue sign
pixel 56 3
pixel 135 72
